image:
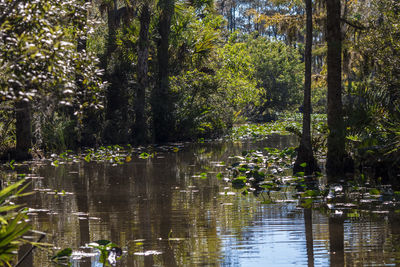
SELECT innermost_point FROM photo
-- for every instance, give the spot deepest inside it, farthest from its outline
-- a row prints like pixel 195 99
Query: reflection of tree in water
pixel 394 240
pixel 143 203
pixel 58 211
pixel 336 241
pixel 309 236
pixel 144 199
pixel 357 242
pixel 369 239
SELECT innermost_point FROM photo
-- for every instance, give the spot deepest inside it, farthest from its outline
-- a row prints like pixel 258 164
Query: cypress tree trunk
pixel 161 100
pixel 336 151
pixel 140 129
pixel 23 129
pixel 305 153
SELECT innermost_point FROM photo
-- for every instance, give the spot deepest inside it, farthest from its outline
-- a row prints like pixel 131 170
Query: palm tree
pixel 161 99
pixel 140 127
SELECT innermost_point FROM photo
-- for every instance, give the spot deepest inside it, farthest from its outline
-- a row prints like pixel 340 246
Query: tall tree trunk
pixel 140 129
pixel 305 153
pixel 23 129
pixel 161 99
pixel 336 151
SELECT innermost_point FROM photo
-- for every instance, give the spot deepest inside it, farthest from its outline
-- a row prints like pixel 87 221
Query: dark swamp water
pixel 161 213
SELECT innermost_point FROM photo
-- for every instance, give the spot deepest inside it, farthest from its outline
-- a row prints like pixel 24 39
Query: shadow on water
pixel 163 211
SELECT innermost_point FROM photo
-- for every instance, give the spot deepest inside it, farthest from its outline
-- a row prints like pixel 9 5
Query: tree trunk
pixel 336 151
pixel 117 124
pixel 140 129
pixel 305 153
pixel 23 129
pixel 161 99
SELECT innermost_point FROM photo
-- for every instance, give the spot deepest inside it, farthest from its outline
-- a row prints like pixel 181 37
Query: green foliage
pixel 42 61
pixel 215 84
pixel 380 45
pixel 145 155
pixel 13 223
pixel 62 255
pixel 59 133
pixel 41 56
pixel 7 128
pixel 373 98
pixel 279 72
pixel 193 40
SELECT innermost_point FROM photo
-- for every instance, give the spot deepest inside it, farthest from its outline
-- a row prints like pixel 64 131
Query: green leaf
pixel 144 155
pixel 374 191
pixel 63 254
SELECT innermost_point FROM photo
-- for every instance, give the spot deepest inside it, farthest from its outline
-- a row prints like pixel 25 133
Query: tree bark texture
pixel 161 99
pixel 305 153
pixel 23 129
pixel 140 128
pixel 336 136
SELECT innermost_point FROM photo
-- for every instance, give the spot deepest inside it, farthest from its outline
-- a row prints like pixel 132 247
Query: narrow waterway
pixel 163 212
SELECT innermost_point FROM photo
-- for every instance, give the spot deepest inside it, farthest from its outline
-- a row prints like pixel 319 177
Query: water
pixel 162 213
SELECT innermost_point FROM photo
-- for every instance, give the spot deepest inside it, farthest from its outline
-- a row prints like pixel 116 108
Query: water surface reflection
pixel 162 213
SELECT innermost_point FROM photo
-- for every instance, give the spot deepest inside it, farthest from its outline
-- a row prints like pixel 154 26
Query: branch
pixel 354 25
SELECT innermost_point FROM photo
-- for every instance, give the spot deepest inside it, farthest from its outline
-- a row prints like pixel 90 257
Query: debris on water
pixel 148 253
pixel 380 211
pixel 43 189
pixel 227 193
pixel 77 255
pixel 338 188
pixel 80 213
pixel 339 212
pixel 114 253
pixel 37 210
